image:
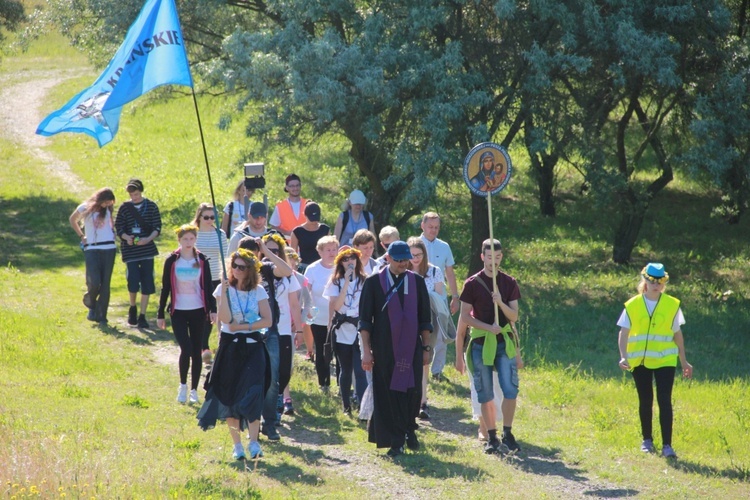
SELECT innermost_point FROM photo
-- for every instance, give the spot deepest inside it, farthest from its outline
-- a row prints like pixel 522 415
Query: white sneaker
pixel 193 396
pixel 182 394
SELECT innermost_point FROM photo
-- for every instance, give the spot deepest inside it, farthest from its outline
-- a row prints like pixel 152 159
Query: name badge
pixel 352 312
pixel 136 230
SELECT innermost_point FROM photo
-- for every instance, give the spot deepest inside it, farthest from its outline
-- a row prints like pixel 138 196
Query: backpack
pixel 345 221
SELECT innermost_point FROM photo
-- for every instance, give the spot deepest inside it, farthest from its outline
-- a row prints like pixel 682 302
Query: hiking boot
pixel 255 451
pixel 668 452
pixel 182 394
pixel 239 452
pixel 411 441
pixel 394 452
pixel 647 446
pixel 133 316
pixel 423 415
pixel 193 398
pixel 288 408
pixel 510 441
pixel 142 323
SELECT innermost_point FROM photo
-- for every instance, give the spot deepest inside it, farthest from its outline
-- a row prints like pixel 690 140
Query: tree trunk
pixel 627 230
pixel 545 177
pixel 480 231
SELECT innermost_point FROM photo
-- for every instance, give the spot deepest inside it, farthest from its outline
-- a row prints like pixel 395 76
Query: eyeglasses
pixel 240 267
pixel 417 255
pixel 348 257
pixel 209 217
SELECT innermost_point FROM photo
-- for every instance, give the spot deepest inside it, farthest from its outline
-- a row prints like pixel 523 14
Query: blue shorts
pixel 140 276
pixel 507 374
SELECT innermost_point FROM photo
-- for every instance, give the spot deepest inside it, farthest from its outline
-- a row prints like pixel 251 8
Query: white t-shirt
pixel 242 305
pixel 275 219
pixel 434 276
pixel 187 293
pixel 285 286
pixel 679 319
pixel 318 276
pixel 238 213
pixel 234 242
pixel 97 231
pixel 347 333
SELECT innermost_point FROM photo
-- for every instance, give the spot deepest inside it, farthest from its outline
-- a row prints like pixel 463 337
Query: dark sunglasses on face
pixel 400 260
pixel 349 257
pixel 209 217
pixel 274 250
pixel 239 267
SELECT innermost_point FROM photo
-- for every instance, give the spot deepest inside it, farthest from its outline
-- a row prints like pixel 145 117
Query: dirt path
pixel 20 116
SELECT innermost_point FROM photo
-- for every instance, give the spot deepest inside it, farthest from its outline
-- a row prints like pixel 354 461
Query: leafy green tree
pixel 11 13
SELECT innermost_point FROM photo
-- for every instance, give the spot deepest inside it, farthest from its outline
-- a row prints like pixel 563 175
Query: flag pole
pixel 213 199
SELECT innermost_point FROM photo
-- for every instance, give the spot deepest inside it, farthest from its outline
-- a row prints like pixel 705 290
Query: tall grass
pixel 91 413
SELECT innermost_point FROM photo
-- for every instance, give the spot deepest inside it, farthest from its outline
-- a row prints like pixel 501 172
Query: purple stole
pixel 404 325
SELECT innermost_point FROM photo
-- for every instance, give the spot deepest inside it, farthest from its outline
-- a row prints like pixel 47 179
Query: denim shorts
pixel 507 373
pixel 140 276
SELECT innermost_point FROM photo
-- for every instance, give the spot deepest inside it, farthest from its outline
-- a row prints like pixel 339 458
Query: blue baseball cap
pixel 399 250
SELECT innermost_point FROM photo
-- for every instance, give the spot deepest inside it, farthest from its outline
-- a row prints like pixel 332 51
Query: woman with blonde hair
pixel 186 285
pixel 212 244
pixel 235 212
pixel 236 386
pixel 650 343
pixel 98 244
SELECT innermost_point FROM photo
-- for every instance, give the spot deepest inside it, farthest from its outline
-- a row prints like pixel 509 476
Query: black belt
pixel 100 243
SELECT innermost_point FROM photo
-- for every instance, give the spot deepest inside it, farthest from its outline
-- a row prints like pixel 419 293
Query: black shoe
pixel 142 323
pixel 133 316
pixel 348 412
pixel 91 316
pixel 437 377
pixel 510 442
pixel 411 441
pixel 271 433
pixel 495 446
pixel 394 452
pixel 288 407
pixel 423 415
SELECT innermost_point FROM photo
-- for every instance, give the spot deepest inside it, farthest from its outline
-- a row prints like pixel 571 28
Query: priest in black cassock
pixel 394 325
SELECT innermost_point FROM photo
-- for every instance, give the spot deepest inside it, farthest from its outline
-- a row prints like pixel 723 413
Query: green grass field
pixel 91 413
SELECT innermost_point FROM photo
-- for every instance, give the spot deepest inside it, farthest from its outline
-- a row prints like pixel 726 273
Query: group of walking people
pixel 385 321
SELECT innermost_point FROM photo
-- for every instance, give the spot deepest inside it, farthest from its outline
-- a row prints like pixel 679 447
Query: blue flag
pixel 152 54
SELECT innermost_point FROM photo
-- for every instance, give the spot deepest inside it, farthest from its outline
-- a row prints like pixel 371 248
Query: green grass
pixel 91 413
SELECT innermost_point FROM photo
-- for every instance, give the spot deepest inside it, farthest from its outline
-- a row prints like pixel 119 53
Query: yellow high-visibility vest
pixel 651 339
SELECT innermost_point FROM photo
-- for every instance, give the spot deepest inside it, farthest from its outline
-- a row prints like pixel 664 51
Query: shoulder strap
pixel 367 218
pixel 484 285
pixel 137 215
pixel 344 222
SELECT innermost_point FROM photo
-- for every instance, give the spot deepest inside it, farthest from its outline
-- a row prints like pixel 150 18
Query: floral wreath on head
pixel 290 253
pixel 248 257
pixel 185 228
pixel 346 251
pixel 652 279
pixel 277 238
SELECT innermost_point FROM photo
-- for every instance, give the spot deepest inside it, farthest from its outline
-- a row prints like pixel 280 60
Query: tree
pixel 11 14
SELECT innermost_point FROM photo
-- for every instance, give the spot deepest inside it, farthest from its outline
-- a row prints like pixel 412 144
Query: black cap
pixel 134 185
pixel 312 211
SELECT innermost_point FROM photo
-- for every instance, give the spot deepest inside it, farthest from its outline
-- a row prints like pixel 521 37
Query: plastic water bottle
pixel 311 317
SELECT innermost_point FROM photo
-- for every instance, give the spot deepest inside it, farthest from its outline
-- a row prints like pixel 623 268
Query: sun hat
pixel 399 250
pixel 654 272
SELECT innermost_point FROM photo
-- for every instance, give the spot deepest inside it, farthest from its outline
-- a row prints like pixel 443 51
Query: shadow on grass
pixel 33 229
pixel 424 464
pixel 139 336
pixel 735 474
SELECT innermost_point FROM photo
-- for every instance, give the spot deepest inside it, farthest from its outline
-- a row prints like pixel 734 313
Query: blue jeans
pixel 99 265
pixel 507 374
pixel 272 347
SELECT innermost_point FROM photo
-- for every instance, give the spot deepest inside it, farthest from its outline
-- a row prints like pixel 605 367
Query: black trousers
pixel 644 383
pixel 188 330
pixel 286 354
pixel 322 367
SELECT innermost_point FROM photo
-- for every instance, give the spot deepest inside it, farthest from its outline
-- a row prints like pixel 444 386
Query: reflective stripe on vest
pixel 651 339
pixel 287 220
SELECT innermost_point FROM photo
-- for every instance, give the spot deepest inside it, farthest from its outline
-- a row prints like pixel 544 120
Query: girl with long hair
pixel 98 243
pixel 343 292
pixel 186 284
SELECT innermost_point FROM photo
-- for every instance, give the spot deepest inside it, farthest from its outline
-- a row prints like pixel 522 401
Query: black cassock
pixel 394 412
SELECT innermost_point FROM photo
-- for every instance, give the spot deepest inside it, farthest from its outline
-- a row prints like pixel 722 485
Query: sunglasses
pixel 274 250
pixel 239 267
pixel 400 260
pixel 209 217
pixel 348 257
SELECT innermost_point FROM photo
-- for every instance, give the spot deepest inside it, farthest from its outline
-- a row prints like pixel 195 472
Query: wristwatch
pixel 427 348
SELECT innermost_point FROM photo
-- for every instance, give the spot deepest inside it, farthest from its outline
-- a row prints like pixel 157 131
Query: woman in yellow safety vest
pixel 650 343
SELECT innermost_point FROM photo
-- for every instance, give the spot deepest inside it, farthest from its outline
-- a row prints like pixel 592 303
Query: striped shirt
pixel 126 223
pixel 208 244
